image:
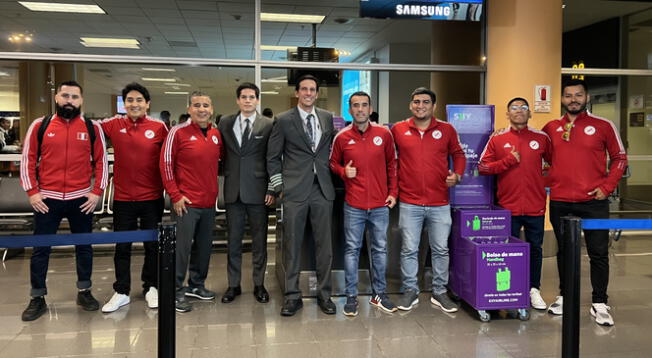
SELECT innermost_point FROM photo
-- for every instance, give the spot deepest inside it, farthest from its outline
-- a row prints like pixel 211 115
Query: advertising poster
pixel 502 276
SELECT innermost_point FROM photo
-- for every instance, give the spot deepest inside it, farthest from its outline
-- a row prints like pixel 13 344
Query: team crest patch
pixel 215 139
pixel 378 141
pixel 82 136
pixel 534 145
pixel 436 134
pixel 149 134
pixel 589 130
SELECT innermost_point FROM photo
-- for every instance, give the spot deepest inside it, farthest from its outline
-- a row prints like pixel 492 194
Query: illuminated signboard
pixel 464 10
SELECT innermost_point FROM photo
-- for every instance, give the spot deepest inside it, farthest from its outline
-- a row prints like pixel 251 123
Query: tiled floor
pixel 246 328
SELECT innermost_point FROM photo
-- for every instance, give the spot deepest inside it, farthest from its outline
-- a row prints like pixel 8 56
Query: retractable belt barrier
pixel 572 230
pixel 166 236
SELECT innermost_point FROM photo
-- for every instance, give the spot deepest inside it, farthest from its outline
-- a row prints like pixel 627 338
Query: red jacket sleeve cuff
pixel 32 192
pixel 97 191
pixel 175 197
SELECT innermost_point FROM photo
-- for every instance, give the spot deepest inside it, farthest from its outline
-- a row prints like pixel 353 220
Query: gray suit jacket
pixel 245 170
pixel 290 160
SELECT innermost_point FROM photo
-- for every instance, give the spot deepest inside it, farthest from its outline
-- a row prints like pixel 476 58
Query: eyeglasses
pixel 567 131
pixel 523 107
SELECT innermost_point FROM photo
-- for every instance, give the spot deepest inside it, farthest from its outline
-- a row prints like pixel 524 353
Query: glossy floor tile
pixel 246 328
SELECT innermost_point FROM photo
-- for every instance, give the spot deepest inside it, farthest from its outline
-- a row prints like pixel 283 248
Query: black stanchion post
pixel 167 237
pixel 570 331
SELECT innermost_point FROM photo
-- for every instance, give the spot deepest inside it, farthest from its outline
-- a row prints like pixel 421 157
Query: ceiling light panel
pixel 58 7
pixel 304 19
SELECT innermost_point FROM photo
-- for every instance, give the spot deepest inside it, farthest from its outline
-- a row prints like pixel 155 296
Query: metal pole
pixel 167 237
pixel 570 330
pixel 314 35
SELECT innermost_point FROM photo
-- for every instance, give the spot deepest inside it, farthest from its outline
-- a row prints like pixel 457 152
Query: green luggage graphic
pixel 476 223
pixel 503 279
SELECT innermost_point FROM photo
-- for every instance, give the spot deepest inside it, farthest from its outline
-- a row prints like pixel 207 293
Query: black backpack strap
pixel 91 134
pixel 41 132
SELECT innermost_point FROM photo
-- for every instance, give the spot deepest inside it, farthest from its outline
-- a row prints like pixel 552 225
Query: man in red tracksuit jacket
pixel 424 145
pixel 188 166
pixel 57 175
pixel 580 185
pixel 364 157
pixel 516 155
pixel 138 190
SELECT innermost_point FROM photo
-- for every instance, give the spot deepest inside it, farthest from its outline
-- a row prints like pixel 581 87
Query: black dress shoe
pixel 327 306
pixel 230 294
pixel 290 307
pixel 261 294
pixel 86 300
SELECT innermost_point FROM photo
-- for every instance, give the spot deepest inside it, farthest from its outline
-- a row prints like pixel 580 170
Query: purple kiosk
pixel 489 269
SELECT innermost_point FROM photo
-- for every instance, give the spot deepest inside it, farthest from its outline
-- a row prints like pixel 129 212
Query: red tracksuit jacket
pixel 374 156
pixel 580 164
pixel 189 164
pixel 65 168
pixel 521 187
pixel 137 149
pixel 423 161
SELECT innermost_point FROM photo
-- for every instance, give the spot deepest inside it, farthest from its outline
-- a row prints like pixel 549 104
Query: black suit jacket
pixel 290 160
pixel 245 172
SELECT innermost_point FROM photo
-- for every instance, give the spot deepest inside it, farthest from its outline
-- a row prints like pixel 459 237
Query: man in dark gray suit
pixel 246 190
pixel 298 166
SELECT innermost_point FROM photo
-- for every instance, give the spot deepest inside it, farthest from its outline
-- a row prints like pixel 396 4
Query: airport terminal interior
pixel 475 52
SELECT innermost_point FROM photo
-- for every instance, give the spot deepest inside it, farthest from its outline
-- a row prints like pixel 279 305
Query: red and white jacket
pixel 65 169
pixel 188 164
pixel 137 149
pixel 580 164
pixel 423 161
pixel 374 156
pixel 521 186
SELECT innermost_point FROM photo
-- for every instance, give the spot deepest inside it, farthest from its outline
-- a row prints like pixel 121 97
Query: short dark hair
pixel 517 99
pixel 70 84
pixel 306 77
pixel 247 85
pixel 574 82
pixel 194 94
pixel 133 86
pixel 423 90
pixel 2 119
pixel 267 112
pixel 360 93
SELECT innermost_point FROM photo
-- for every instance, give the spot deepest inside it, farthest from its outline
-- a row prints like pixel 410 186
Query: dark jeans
pixel 48 224
pixel 125 217
pixel 597 242
pixel 533 226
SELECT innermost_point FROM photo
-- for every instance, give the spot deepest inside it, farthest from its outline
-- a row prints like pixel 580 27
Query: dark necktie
pixel 245 133
pixel 309 132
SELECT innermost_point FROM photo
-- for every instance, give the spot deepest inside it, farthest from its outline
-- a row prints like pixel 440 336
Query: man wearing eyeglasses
pixel 424 145
pixel 515 154
pixel 580 185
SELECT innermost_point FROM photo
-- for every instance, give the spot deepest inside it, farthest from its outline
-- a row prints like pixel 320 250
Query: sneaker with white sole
pixel 408 300
pixel 536 301
pixel 351 306
pixel 444 302
pixel 557 308
pixel 152 298
pixel 118 300
pixel 601 313
pixel 382 301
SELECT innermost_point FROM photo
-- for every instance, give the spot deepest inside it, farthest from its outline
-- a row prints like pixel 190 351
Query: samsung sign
pixel 465 10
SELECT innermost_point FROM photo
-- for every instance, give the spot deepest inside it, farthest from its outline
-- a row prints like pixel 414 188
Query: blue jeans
pixel 438 222
pixel 355 220
pixel 534 235
pixel 48 224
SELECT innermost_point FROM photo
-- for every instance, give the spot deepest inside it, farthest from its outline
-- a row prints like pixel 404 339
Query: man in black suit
pixel 298 166
pixel 246 190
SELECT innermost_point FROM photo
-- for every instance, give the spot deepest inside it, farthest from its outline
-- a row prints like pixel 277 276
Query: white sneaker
pixel 557 308
pixel 152 297
pixel 536 300
pixel 601 313
pixel 118 300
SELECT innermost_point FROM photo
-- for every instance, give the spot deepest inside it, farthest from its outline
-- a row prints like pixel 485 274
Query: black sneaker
pixel 351 306
pixel 35 309
pixel 181 304
pixel 87 301
pixel 201 293
pixel 382 301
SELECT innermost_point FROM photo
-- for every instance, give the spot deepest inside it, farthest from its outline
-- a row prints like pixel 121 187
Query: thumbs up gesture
pixel 516 154
pixel 452 179
pixel 350 170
